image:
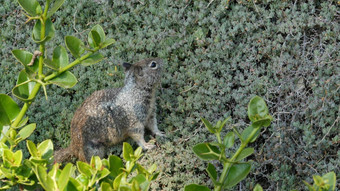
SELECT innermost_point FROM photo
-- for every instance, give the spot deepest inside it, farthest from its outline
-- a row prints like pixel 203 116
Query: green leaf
pixel 222 124
pixel 26 131
pixel 94 39
pixel 330 178
pixel 49 31
pixel 8 158
pixel 84 168
pixel 115 165
pixel 212 172
pixel 118 180
pixel 25 58
pixel 107 42
pixel 247 132
pixel 258 188
pixel 17 158
pixel 106 186
pixel 208 125
pixel 45 149
pixel 96 162
pixel 195 187
pixel 32 148
pixel 152 168
pixel 236 173
pixel 75 46
pixel 94 58
pixel 65 80
pixel 8 109
pixel 32 7
pixel 206 151
pixel 74 184
pixel 127 151
pixel 229 139
pixel 245 153
pixel 45 180
pixel 65 176
pixel 310 187
pixel 96 36
pixel 60 57
pixel 258 112
pixel 102 174
pixel 24 87
pixel 56 5
pixel 22 122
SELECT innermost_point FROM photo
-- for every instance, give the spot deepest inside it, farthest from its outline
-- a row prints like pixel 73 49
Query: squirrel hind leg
pixel 63 155
pixel 93 149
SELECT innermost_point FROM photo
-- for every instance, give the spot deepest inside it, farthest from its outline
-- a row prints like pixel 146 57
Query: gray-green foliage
pixel 216 59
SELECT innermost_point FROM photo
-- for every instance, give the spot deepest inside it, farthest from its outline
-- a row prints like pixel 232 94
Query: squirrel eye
pixel 153 64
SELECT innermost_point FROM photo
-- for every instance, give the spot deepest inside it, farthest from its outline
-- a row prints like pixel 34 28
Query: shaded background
pixel 217 56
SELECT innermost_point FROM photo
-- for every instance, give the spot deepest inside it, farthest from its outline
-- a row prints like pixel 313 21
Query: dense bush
pixel 217 57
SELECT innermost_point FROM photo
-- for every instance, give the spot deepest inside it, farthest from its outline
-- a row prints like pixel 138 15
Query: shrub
pixel 217 56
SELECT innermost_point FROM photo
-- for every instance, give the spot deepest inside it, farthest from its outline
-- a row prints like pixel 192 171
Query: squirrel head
pixel 145 73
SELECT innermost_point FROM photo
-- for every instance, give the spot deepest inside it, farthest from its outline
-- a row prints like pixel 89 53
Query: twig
pixel 35 55
pixel 329 130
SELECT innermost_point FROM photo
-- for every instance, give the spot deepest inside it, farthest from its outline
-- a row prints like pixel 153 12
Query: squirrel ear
pixel 127 66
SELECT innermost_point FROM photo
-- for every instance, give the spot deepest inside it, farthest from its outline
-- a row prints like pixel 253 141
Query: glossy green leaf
pixel 26 131
pixel 195 187
pixel 229 139
pixel 212 172
pixel 222 124
pixel 65 176
pixel 32 148
pixel 152 168
pixel 75 46
pixel 8 109
pixel 96 36
pixel 32 7
pixel 94 58
pixel 258 112
pixel 96 163
pixel 247 132
pixel 8 158
pixel 24 86
pixel 84 168
pixel 102 174
pixel 310 187
pixel 208 125
pixel 49 63
pixel 49 31
pixel 237 173
pixel 94 39
pixel 56 5
pixel 74 184
pixel 65 80
pixel 330 178
pixel 17 158
pixel 115 165
pixel 45 180
pixel 118 180
pixel 107 42
pixel 258 188
pixel 245 153
pixel 25 58
pixel 127 151
pixel 60 57
pixel 106 186
pixel 206 151
pixel 141 182
pixel 22 122
pixel 45 149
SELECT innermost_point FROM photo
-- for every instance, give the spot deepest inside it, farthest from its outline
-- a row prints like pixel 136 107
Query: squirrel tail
pixel 63 155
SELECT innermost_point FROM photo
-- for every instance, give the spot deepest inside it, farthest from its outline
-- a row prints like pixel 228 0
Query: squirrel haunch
pixel 109 116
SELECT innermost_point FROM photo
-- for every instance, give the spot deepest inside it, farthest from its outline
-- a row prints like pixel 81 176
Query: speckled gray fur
pixel 109 116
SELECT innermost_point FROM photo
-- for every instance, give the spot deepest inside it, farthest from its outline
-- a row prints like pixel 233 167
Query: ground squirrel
pixel 109 116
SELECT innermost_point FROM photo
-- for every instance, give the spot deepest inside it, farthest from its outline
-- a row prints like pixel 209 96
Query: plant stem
pixel 227 165
pixel 23 110
pixel 77 61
